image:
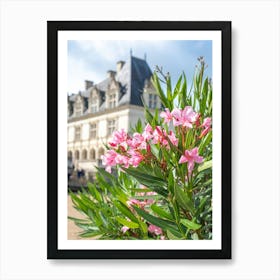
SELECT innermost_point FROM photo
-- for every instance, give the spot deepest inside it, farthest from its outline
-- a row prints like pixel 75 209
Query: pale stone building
pixel 98 110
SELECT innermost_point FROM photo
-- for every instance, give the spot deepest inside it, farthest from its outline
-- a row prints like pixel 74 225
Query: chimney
pixel 111 74
pixel 88 84
pixel 120 65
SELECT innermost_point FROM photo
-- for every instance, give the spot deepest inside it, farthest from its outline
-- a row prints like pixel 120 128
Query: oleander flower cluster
pixel 130 151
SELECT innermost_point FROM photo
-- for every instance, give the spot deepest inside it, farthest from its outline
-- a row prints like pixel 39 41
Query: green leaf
pixel 159 211
pixel 127 223
pixel 164 224
pixel 172 236
pixel 159 91
pixel 139 190
pixel 154 183
pixel 78 220
pixel 143 227
pixel 91 234
pixel 94 192
pixel 125 211
pixel 177 87
pixel 183 199
pixel 205 165
pixel 206 140
pixel 190 225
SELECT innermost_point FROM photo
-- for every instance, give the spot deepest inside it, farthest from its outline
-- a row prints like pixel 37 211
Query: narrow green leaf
pixel 143 227
pixel 127 223
pixel 159 211
pixel 78 220
pixel 91 234
pixel 189 224
pixel 206 140
pixel 159 91
pixel 172 236
pixel 205 165
pixel 177 87
pixel 94 192
pixel 154 183
pixel 125 211
pixel 183 199
pixel 164 224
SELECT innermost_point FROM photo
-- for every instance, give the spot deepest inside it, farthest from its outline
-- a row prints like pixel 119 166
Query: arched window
pixel 77 155
pixel 84 154
pixel 92 154
pixel 100 153
pixel 70 155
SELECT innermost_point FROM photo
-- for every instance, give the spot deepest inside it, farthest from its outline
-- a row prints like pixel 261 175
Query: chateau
pixel 100 109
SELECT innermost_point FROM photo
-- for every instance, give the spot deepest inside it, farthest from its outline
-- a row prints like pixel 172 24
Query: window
pixel 93 130
pixel 70 155
pixel 112 100
pixel 78 109
pixel 99 160
pixel 84 154
pixel 111 126
pixel 77 155
pixel 94 105
pixel 152 101
pixel 92 154
pixel 77 133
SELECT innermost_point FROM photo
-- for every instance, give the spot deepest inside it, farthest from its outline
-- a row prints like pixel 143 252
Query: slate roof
pixel 131 79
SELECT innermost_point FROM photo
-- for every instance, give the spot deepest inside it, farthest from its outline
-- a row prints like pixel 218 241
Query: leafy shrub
pixel 162 186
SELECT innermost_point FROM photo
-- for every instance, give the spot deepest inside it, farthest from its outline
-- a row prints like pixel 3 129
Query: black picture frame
pixel 53 27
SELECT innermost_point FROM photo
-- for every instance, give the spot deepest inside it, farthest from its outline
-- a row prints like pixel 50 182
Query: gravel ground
pixel 73 230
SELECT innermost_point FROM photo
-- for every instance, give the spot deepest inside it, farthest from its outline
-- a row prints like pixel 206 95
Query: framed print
pixel 139 140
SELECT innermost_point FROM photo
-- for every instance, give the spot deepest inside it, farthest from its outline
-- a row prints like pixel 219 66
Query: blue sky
pixel 90 60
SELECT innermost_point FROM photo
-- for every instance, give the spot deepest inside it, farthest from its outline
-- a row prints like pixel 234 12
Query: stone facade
pixel 113 104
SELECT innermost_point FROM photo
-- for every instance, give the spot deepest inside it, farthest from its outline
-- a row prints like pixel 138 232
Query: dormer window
pixel 112 102
pixel 94 104
pixel 78 107
pixel 152 101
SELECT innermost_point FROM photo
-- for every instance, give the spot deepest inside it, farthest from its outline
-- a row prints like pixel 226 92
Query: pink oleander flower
pixel 197 120
pixel 159 136
pixel 207 126
pixel 154 229
pixel 150 200
pixel 166 115
pixel 148 132
pixel 172 138
pixel 136 158
pixel 137 142
pixel 133 201
pixel 122 160
pixel 124 229
pixel 188 117
pixel 185 117
pixel 177 116
pixel 162 237
pixel 191 157
pixel 109 159
pixel 119 138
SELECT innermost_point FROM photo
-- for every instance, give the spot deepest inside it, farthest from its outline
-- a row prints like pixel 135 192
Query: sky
pixel 90 60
